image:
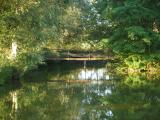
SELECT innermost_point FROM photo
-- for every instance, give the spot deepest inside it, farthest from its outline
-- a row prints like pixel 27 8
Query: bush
pixel 6 74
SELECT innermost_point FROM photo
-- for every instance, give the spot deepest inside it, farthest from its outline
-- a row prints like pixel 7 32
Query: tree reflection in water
pixel 131 97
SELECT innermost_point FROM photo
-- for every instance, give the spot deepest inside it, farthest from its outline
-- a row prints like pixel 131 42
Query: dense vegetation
pixel 133 27
pixel 27 28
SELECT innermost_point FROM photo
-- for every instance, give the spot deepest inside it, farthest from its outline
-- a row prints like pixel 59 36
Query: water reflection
pixel 129 98
pixel 93 74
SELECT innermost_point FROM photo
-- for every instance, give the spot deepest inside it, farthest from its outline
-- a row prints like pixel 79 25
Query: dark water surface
pixel 71 91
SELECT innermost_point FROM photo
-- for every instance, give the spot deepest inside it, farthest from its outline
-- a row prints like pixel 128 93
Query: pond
pixel 72 91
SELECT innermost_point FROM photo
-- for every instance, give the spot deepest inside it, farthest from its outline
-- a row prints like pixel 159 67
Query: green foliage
pixel 29 61
pixel 134 27
pixel 129 28
pixel 6 74
pixel 134 61
pixel 35 25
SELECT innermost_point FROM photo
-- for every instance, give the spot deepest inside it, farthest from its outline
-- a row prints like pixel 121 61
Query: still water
pixel 71 91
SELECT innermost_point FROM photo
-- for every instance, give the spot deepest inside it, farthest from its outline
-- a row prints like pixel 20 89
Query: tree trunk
pixel 14 50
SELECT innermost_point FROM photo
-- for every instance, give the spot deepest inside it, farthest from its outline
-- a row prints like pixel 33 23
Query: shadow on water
pixel 66 70
pixel 132 97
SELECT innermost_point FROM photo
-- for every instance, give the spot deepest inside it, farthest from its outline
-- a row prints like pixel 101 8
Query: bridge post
pixel 85 64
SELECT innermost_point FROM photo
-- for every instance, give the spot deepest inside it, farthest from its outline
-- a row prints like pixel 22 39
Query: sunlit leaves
pixel 134 29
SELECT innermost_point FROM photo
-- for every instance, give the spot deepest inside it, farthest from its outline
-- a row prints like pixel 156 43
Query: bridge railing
pixel 90 54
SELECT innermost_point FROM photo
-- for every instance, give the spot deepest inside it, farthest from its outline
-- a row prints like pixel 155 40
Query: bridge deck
pixel 80 59
pixel 69 55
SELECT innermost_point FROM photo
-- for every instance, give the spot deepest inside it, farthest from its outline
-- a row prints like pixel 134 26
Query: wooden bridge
pixel 80 55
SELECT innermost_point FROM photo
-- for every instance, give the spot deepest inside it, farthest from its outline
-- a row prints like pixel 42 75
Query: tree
pixel 134 27
pixel 26 26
